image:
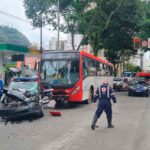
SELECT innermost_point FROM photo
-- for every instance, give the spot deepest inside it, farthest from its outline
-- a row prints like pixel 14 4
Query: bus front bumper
pixel 60 98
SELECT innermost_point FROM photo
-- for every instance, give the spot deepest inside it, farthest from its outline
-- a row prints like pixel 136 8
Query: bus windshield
pixel 60 72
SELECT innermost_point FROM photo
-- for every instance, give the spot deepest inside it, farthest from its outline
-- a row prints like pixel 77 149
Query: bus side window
pixel 75 67
pixel 110 70
pixel 103 73
pixel 96 67
pixel 85 66
pixel 107 71
pixel 99 69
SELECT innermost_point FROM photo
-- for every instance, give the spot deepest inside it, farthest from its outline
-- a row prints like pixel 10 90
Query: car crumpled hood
pixel 21 96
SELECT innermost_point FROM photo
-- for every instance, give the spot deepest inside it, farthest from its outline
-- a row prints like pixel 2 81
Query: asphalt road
pixel 72 130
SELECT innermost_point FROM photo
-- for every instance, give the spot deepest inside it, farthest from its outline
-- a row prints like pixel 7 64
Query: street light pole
pixel 58 22
pixel 141 60
pixel 41 34
pixel 141 54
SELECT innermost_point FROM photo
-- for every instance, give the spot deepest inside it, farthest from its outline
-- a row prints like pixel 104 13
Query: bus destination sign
pixel 63 55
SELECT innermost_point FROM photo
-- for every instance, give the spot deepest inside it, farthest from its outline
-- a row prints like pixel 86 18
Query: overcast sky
pixel 15 7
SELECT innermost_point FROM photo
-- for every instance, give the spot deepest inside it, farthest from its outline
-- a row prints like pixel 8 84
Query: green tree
pixel 12 35
pixel 71 11
pixel 118 38
pixel 78 17
pixel 41 12
pixel 96 21
pixel 145 23
pixel 109 24
pixel 45 12
pixel 133 68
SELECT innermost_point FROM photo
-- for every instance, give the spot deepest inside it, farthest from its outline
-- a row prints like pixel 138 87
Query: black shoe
pixel 92 127
pixel 110 126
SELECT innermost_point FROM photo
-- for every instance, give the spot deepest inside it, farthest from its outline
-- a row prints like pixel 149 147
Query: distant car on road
pixel 120 83
pixel 139 87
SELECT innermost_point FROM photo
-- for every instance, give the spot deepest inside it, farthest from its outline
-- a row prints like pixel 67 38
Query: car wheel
pixel 119 90
pixel 41 114
pixel 147 94
pixel 68 104
pixel 91 95
pixel 129 94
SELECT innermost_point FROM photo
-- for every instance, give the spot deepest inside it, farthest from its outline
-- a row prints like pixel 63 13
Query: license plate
pixel 138 91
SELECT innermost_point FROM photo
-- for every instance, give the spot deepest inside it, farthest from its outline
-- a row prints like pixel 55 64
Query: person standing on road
pixel 104 94
pixel 1 86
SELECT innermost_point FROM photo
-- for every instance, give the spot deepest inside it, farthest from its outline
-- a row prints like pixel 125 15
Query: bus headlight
pixel 76 90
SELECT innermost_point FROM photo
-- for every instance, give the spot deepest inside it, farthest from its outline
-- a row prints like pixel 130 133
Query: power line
pixel 15 17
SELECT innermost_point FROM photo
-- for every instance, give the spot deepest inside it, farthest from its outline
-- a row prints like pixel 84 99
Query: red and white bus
pixel 74 76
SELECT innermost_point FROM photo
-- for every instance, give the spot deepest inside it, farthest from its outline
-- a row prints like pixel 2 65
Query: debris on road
pixel 55 113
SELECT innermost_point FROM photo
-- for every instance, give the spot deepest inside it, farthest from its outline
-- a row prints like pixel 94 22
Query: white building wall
pixel 135 60
pixel 146 61
pixel 53 43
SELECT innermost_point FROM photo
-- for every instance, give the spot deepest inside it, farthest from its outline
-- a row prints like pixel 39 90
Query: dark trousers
pixel 104 105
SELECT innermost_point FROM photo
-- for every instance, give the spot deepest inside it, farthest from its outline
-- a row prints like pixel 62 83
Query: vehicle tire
pixel 41 114
pixel 68 105
pixel 147 95
pixel 119 89
pixel 91 95
pixel 129 94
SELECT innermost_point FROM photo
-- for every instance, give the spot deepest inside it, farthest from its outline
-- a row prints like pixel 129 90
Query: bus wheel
pixel 91 95
pixel 68 104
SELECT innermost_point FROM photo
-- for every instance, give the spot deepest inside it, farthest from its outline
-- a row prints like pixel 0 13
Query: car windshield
pixel 139 82
pixel 117 79
pixel 60 72
pixel 27 86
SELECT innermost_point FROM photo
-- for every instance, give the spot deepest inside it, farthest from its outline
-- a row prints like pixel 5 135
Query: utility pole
pixel 141 54
pixel 41 34
pixel 58 22
pixel 141 60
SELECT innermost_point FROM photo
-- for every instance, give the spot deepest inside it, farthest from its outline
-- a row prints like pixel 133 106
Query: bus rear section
pixel 94 71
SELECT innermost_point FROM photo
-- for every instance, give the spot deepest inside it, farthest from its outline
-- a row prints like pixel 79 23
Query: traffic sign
pixel 144 43
pixel 136 42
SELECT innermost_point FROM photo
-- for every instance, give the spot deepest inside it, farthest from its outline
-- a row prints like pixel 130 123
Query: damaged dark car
pixel 21 99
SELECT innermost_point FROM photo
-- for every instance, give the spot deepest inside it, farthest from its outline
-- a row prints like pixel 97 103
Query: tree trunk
pixel 72 40
pixel 82 41
pixel 116 66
